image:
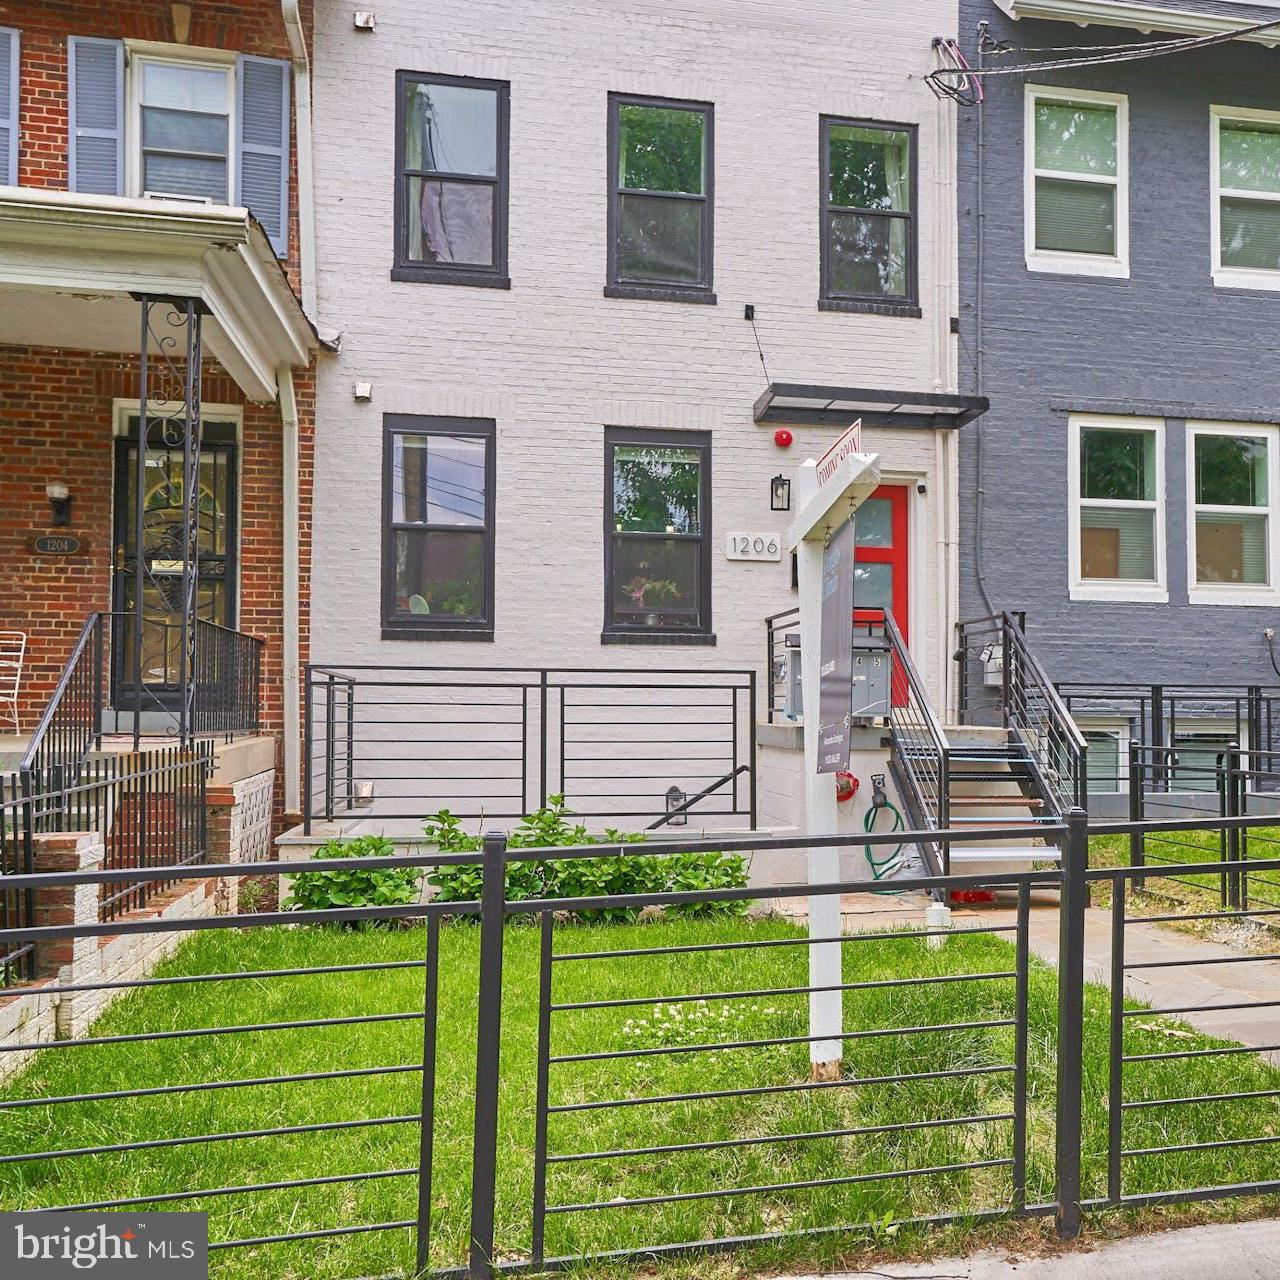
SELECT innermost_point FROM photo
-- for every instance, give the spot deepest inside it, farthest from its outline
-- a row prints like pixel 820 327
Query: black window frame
pixel 864 303
pixel 401 626
pixel 620 633
pixel 407 268
pixel 616 287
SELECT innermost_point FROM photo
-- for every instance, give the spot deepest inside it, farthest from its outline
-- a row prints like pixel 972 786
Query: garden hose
pixel 881 867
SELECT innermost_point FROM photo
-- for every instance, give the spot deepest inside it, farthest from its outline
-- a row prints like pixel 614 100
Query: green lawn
pixel 101 1068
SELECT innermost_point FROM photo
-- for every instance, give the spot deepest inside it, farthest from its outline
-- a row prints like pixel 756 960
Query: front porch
pixel 182 539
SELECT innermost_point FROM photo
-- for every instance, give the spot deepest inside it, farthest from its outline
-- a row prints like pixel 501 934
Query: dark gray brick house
pixel 1119 246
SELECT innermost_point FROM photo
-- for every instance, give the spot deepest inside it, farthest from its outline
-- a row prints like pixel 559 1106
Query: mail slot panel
pixel 872 677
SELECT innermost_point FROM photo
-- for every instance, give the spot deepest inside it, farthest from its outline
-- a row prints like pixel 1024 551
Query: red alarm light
pixel 783 438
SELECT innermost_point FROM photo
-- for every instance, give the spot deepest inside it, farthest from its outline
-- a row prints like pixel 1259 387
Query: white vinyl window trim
pixel 1121 731
pixel 1057 260
pixel 1229 276
pixel 138 54
pixel 1236 593
pixel 1122 590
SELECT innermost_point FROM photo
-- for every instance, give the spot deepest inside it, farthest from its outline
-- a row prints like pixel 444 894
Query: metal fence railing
pixel 451 1100
pixel 149 808
pixel 1002 683
pixel 498 742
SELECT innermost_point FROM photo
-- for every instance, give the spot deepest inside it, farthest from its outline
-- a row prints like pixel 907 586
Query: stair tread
pixel 1004 855
pixel 998 801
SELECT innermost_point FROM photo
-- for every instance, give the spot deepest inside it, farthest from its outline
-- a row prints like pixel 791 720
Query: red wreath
pixel 846 786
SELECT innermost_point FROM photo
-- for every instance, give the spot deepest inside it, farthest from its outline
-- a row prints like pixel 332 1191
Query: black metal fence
pixel 487 1100
pixel 227 682
pixel 497 742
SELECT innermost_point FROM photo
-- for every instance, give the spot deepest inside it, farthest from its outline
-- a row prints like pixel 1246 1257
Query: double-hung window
pixel 179 123
pixel 868 253
pixel 1245 165
pixel 1232 475
pixel 660 199
pixel 184 128
pixel 657 556
pixel 451 180
pixel 1116 488
pixel 1077 182
pixel 438 515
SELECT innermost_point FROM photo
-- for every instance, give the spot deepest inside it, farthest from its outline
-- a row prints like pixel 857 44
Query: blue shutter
pixel 8 107
pixel 95 73
pixel 262 154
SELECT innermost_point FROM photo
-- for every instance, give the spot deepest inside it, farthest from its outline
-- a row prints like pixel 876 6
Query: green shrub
pixel 606 876
pixel 358 887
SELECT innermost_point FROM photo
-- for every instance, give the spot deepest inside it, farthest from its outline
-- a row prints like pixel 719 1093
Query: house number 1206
pixel 753 546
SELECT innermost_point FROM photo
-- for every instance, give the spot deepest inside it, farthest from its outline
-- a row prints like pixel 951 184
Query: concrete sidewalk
pixel 1239 977
pixel 1231 1251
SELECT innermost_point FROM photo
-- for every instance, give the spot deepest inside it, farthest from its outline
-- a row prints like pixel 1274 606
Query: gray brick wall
pixel 1166 342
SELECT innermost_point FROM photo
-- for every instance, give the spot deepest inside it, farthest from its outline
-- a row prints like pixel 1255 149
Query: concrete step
pixel 968 854
pixel 1021 802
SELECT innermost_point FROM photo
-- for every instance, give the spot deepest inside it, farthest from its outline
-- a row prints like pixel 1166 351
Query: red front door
pixel 880 563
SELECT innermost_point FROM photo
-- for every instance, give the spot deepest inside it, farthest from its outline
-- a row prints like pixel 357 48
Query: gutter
pixel 306 168
pixel 290 602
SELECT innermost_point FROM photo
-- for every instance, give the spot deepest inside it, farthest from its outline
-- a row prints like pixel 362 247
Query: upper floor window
pixel 1116 486
pixel 191 124
pixel 1245 163
pixel 1077 182
pixel 1232 475
pixel 438 519
pixel 451 189
pixel 9 69
pixel 868 254
pixel 182 114
pixel 657 535
pixel 660 199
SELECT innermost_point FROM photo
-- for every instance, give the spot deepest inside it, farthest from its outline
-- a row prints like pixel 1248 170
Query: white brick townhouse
pixel 543 229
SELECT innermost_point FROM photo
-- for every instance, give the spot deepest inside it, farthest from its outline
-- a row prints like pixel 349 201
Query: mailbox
pixel 872 671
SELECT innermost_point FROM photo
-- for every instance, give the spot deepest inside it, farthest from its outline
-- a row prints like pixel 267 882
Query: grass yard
pixel 394 1146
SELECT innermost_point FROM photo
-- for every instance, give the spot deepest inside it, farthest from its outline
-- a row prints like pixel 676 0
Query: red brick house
pixel 154 224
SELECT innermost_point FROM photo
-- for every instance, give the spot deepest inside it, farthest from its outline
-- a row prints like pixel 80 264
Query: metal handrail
pixel 903 655
pixel 81 737
pixel 1048 689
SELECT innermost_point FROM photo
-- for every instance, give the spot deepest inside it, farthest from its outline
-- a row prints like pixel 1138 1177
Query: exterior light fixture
pixel 675 798
pixel 60 501
pixel 779 494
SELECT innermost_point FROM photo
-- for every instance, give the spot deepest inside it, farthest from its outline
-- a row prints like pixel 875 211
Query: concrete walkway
pixel 1241 977
pixel 1233 1251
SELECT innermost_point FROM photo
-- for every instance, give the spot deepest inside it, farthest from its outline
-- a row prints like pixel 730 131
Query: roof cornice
pixel 1137 16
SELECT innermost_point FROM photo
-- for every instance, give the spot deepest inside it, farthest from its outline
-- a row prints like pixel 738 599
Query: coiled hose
pixel 881 867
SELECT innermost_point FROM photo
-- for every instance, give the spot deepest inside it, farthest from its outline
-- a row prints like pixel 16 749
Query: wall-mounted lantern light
pixel 779 494
pixel 675 798
pixel 60 501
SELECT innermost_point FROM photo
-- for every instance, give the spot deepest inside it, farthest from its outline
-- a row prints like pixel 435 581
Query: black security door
pixel 162 557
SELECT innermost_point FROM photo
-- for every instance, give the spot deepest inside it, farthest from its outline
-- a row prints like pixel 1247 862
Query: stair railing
pixel 920 748
pixel 1002 683
pixel 71 725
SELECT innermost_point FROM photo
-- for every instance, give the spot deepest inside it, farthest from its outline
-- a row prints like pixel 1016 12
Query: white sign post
pixel 829 492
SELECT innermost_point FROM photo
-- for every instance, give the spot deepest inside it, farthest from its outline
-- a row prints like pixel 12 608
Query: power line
pixel 951 81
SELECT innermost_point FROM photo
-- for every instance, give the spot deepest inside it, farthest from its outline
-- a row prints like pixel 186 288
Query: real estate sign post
pixel 827 498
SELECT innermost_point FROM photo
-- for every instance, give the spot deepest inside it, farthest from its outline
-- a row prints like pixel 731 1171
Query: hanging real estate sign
pixel 835 677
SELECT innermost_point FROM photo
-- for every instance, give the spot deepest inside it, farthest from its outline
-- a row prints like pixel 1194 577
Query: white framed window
pixel 181 132
pixel 1076 147
pixel 1244 159
pixel 1116 508
pixel 1108 760
pixel 1233 475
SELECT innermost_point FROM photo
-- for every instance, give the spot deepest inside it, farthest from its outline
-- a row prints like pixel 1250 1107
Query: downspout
pixel 289 604
pixel 306 170
pixel 979 318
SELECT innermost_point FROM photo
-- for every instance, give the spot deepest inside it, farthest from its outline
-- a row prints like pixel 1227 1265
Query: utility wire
pixel 756 334
pixel 946 80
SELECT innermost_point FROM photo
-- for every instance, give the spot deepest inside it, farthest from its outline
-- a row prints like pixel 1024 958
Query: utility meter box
pixel 872 672
pixel 793 690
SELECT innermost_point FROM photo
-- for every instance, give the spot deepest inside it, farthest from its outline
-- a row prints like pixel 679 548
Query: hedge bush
pixel 606 876
pixel 358 887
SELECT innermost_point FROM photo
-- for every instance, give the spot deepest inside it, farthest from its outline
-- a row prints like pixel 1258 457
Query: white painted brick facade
pixel 554 362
